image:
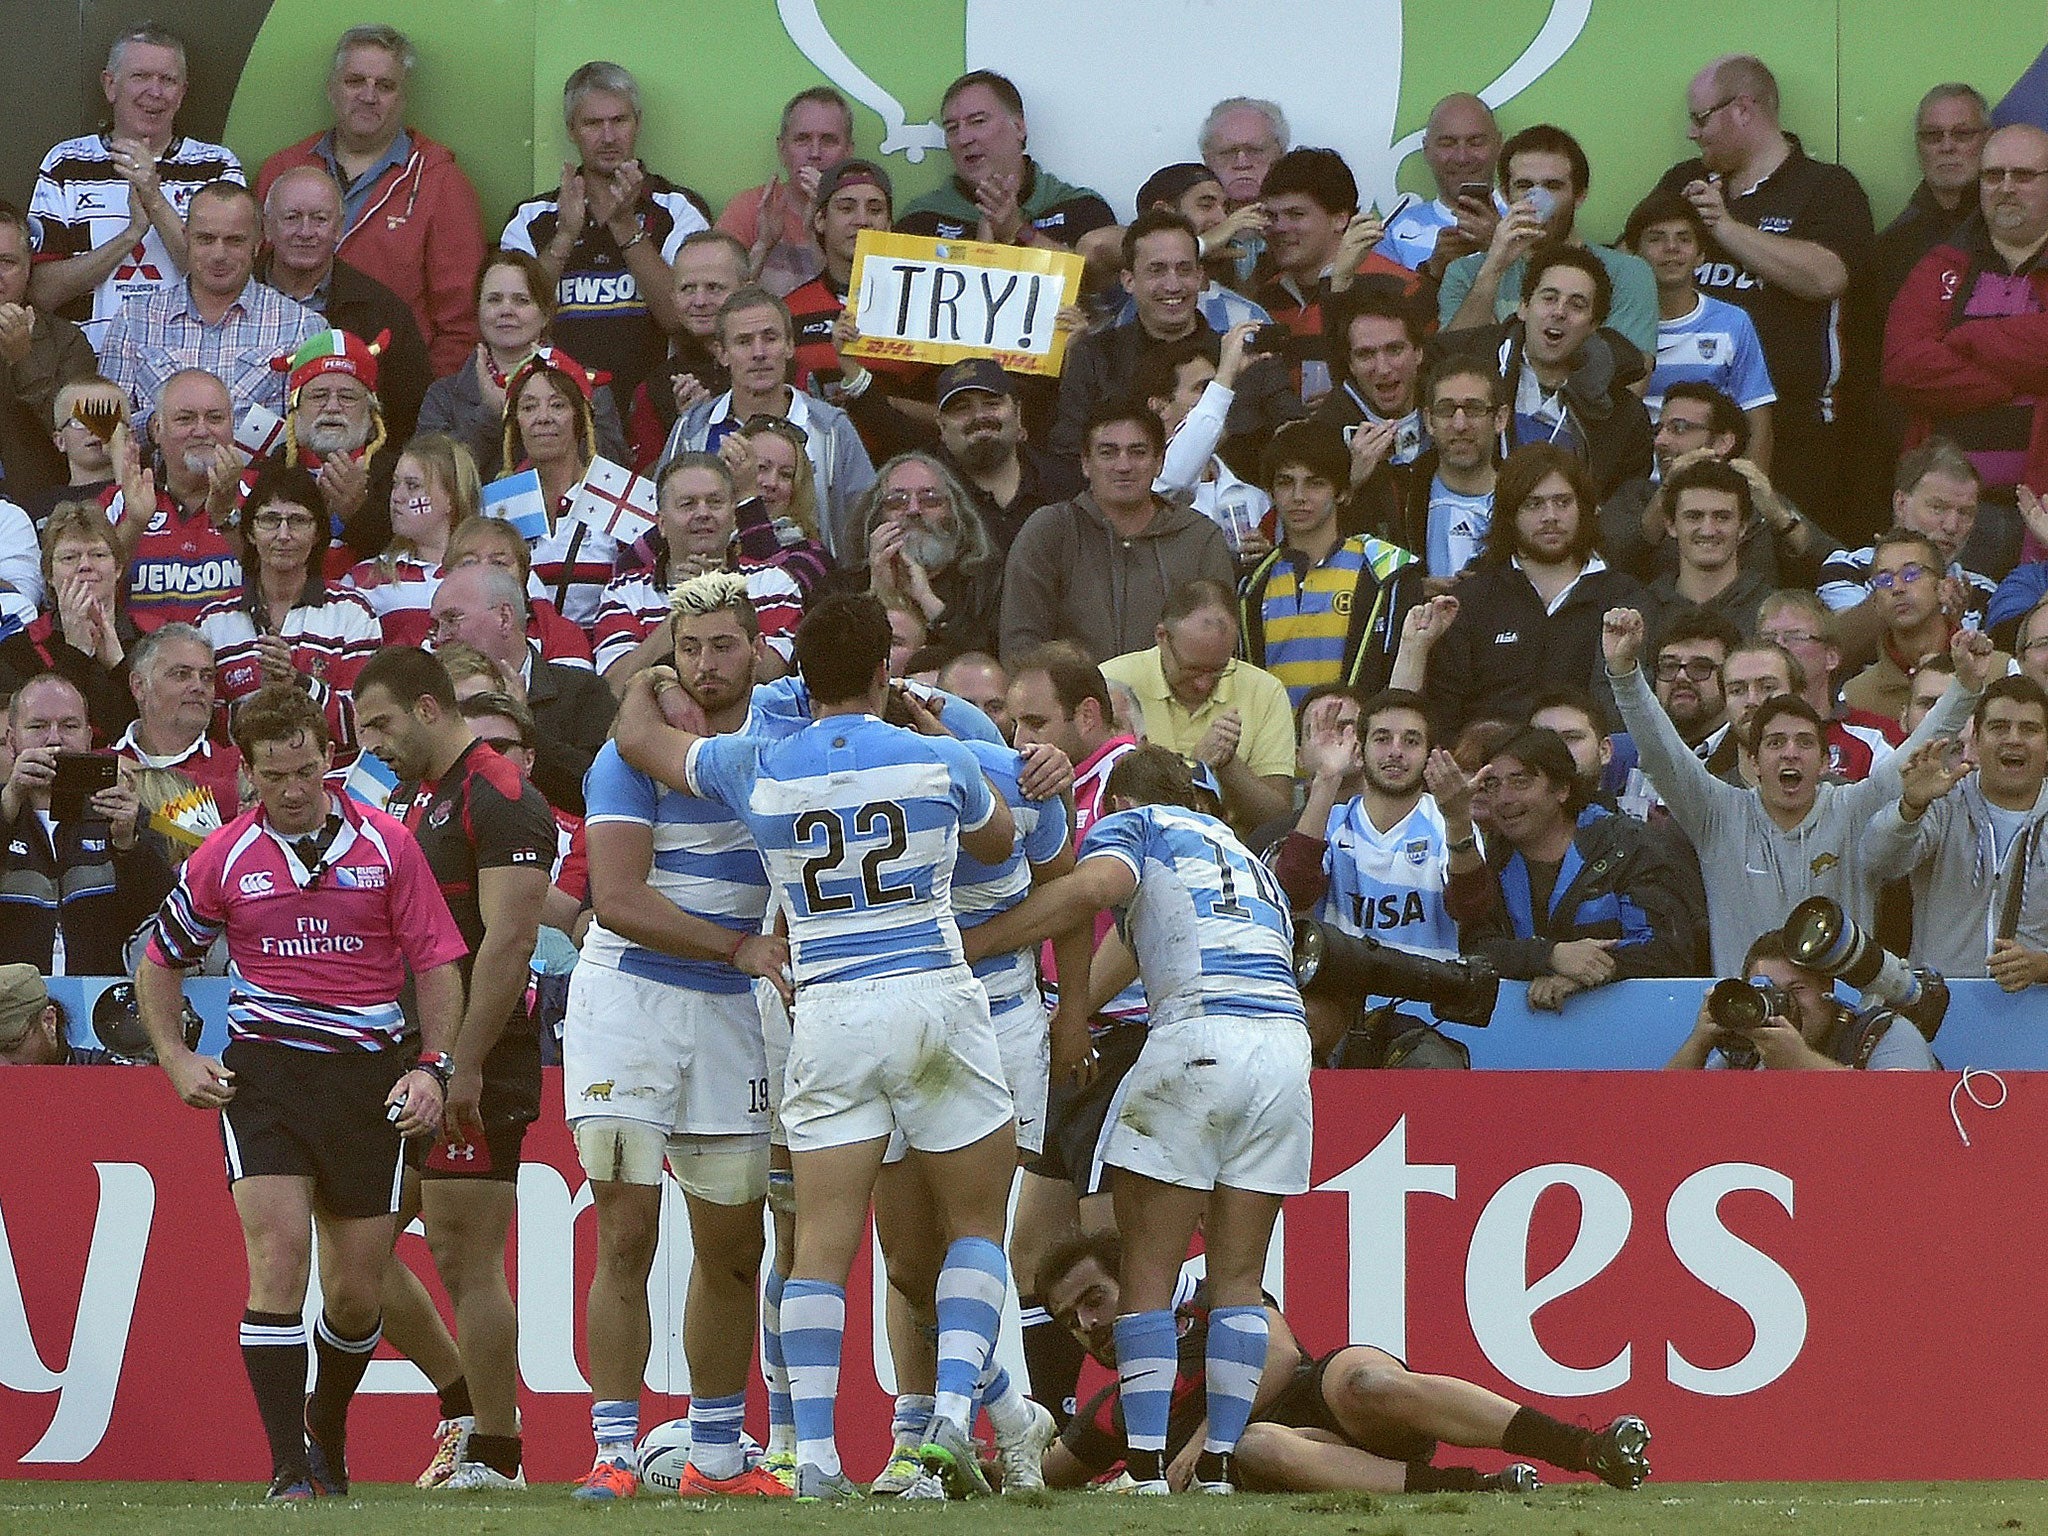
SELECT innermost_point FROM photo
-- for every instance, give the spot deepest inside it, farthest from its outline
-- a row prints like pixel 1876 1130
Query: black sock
pixel 455 1403
pixel 1531 1432
pixel 1214 1467
pixel 340 1363
pixel 1424 1478
pixel 1052 1359
pixel 498 1452
pixel 274 1354
pixel 1145 1466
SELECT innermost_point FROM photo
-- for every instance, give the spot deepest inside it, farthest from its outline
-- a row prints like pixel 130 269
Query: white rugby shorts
pixel 689 1062
pixel 1218 1100
pixel 916 1053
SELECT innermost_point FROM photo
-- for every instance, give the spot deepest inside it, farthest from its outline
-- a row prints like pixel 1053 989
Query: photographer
pixel 79 880
pixel 1973 843
pixel 1826 1037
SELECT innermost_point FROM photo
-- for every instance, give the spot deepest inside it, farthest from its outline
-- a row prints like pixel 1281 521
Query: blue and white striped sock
pixel 615 1426
pixel 715 1424
pixel 1146 1365
pixel 1236 1359
pixel 813 1329
pixel 912 1418
pixel 970 1306
pixel 1006 1407
pixel 781 1417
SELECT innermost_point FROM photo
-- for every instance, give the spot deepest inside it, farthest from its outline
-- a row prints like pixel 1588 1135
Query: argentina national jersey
pixel 1208 922
pixel 980 891
pixel 704 861
pixel 859 824
pixel 1715 343
pixel 1390 885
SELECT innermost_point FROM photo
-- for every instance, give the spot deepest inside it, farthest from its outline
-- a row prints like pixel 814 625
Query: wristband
pixel 739 943
pixel 437 1064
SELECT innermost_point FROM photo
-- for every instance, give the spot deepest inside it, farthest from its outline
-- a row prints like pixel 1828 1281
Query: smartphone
pixel 1475 192
pixel 1268 338
pixel 80 776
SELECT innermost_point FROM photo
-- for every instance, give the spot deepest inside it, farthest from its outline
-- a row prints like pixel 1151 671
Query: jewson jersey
pixel 1208 922
pixel 1390 885
pixel 981 890
pixel 704 861
pixel 859 823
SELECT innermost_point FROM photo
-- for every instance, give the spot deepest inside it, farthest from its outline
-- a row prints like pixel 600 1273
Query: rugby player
pixel 860 823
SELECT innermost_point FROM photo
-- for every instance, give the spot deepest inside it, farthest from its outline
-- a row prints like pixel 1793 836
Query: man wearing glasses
pixel 1784 231
pixel 1962 346
pixel 1949 131
pixel 1906 575
pixel 1798 623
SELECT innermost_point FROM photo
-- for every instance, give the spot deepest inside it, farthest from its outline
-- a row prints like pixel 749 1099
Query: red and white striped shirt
pixel 635 604
pixel 333 634
pixel 317 956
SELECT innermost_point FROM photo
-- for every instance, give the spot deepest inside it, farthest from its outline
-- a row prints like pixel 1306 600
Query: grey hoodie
pixel 1070 576
pixel 1959 882
pixel 1756 872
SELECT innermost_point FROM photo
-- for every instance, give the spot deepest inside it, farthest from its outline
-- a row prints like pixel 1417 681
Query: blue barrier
pixel 1629 1024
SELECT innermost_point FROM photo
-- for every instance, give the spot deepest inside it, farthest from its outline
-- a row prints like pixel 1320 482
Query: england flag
pixel 613 501
pixel 518 500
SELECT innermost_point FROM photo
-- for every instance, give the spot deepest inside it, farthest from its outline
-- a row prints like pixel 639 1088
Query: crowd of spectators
pixel 1527 595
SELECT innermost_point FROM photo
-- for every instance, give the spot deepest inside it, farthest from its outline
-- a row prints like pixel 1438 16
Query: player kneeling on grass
pixel 1355 1418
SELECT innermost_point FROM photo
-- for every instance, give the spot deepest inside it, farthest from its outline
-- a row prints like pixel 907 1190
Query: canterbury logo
pixel 258 884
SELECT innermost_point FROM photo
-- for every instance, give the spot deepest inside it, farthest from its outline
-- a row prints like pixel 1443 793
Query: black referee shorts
pixel 1074 1119
pixel 317 1115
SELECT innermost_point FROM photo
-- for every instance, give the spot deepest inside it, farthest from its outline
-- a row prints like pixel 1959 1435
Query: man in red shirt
pixel 325 905
pixel 173 520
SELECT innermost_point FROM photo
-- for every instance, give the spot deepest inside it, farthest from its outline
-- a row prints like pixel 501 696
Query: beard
pixel 983 455
pixel 1393 789
pixel 335 437
pixel 931 548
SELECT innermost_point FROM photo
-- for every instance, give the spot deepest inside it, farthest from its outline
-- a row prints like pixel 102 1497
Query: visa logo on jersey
pixel 1371 914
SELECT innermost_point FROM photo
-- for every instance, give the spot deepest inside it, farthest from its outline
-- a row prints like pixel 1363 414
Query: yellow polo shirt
pixel 1266 743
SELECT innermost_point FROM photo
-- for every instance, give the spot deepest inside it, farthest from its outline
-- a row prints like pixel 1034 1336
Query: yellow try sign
pixel 937 301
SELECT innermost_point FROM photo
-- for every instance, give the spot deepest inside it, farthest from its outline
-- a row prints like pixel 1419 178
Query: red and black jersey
pixel 1095 1436
pixel 483 815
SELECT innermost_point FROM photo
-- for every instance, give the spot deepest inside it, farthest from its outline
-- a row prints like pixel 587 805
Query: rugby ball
pixel 664 1451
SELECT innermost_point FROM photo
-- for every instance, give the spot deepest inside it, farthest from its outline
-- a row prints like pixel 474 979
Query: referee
pixel 324 904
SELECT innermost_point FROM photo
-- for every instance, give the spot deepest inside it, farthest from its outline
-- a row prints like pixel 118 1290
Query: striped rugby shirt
pixel 1332 621
pixel 315 964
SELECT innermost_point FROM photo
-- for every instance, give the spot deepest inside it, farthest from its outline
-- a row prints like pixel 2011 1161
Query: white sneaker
pixel 451 1444
pixel 901 1472
pixel 1213 1488
pixel 478 1477
pixel 924 1486
pixel 1156 1488
pixel 1021 1459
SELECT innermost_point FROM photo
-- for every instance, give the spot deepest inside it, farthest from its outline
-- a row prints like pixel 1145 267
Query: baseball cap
pixel 23 997
pixel 982 373
pixel 854 173
pixel 1171 184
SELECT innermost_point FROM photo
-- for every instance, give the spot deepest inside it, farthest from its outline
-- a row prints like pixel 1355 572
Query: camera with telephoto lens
pixel 1737 1007
pixel 1331 962
pixel 1820 936
pixel 117 1023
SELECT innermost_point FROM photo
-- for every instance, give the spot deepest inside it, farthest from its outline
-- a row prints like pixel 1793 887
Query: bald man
pixel 1784 231
pixel 302 224
pixel 1963 345
pixel 1461 145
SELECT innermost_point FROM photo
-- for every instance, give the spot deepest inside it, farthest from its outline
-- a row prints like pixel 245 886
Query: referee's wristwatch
pixel 439 1063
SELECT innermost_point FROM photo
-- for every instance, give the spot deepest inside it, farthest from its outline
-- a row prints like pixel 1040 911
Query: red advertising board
pixel 1790 1276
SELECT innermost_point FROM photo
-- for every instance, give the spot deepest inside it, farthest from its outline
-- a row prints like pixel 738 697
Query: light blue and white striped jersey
pixel 1715 344
pixel 980 890
pixel 704 861
pixel 1457 528
pixel 1390 885
pixel 860 824
pixel 1208 923
pixel 783 707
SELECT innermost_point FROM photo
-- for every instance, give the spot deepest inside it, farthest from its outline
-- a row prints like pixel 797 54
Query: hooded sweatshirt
pixel 1756 871
pixel 1071 576
pixel 1960 883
